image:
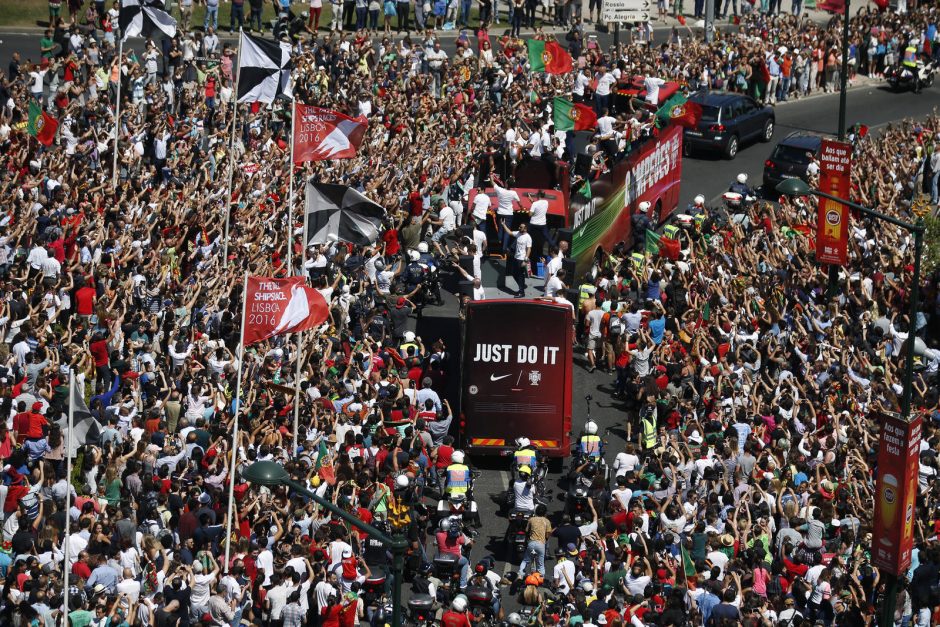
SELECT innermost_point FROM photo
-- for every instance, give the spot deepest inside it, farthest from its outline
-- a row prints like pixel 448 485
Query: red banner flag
pixel 896 492
pixel 832 218
pixel 278 306
pixel 321 134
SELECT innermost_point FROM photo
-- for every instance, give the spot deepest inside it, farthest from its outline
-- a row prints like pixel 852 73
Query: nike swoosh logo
pixel 493 377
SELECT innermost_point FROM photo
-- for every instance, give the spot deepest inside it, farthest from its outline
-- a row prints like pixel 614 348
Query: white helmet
pixel 414 255
pixel 522 442
pixel 699 200
pixel 457 457
pixel 379 264
pixel 742 178
pixel 445 524
pixel 644 206
pixel 459 603
pixel 514 619
pixel 401 481
pixel 422 247
pixel 590 427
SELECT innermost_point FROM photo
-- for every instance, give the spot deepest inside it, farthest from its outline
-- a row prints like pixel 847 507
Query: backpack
pixel 616 325
pixel 773 587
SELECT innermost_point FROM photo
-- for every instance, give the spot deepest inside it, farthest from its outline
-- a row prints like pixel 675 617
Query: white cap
pixel 699 200
pixel 409 336
pixel 644 206
pixel 742 178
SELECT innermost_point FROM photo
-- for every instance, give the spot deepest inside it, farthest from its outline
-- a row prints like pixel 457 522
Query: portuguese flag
pixel 41 125
pixel 548 56
pixel 569 116
pixel 678 110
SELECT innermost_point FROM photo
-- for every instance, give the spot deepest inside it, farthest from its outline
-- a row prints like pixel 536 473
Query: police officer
pixel 590 445
pixel 641 223
pixel 740 186
pixel 648 425
pixel 457 476
pixel 525 455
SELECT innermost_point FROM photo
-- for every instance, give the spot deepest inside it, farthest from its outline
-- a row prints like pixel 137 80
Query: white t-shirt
pixel 562 569
pixel 449 219
pixel 481 204
pixel 523 243
pixel 652 85
pixel 581 81
pixel 625 462
pixel 538 212
pixel 202 589
pixel 535 141
pixel 553 287
pixel 604 83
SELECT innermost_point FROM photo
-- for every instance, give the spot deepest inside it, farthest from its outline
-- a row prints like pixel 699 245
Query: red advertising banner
pixel 895 492
pixel 323 134
pixel 276 306
pixel 832 220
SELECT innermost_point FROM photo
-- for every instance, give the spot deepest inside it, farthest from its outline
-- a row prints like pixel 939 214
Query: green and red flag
pixel 41 125
pixel 678 110
pixel 652 242
pixel 548 56
pixel 688 566
pixel 570 116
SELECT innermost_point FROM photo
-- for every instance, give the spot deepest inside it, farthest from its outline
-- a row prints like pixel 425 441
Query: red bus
pixel 516 376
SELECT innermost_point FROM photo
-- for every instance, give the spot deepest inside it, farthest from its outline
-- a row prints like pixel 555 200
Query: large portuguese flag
pixel 679 110
pixel 548 56
pixel 41 125
pixel 569 116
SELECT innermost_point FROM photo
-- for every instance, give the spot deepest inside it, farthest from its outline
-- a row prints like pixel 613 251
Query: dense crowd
pixel 764 440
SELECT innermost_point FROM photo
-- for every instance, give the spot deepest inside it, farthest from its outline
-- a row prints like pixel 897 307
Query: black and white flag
pixel 85 428
pixel 264 69
pixel 338 212
pixel 145 18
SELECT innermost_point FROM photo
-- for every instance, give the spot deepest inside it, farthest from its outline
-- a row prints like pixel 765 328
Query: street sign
pixel 618 11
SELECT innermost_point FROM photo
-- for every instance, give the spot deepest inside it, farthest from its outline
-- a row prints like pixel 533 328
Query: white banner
pixel 614 11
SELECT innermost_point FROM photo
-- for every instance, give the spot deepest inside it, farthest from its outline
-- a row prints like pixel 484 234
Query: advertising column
pixel 895 492
pixel 832 220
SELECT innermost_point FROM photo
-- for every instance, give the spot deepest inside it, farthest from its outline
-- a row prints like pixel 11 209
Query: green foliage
pixel 931 259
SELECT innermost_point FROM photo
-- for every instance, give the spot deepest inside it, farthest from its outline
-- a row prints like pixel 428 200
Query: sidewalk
pixel 659 27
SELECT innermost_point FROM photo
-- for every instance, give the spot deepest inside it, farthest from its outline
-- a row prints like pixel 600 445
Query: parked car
pixel 790 159
pixel 728 121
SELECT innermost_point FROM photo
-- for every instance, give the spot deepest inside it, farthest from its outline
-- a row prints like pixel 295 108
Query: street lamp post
pixel 268 473
pixel 798 187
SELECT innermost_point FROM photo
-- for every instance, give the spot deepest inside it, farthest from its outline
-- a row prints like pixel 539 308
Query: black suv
pixel 790 159
pixel 728 120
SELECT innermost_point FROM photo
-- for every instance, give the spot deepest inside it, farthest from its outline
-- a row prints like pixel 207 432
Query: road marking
pixel 504 479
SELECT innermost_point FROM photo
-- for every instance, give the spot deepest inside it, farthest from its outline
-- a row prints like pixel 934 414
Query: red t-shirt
pixel 451 618
pixel 21 426
pixel 99 350
pixel 85 300
pixel 444 453
pixel 81 569
pixel 36 423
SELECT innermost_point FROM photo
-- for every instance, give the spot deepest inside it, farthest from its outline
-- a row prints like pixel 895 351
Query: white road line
pixel 504 479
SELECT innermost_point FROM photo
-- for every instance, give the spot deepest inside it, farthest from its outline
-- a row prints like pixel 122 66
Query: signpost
pixel 619 11
pixel 832 220
pixel 896 492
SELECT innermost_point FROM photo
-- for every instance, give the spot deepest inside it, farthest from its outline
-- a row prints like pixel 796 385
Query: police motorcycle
pixel 457 492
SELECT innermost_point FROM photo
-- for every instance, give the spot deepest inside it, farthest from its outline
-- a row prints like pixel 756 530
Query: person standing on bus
pixel 538 222
pixel 518 265
pixel 505 198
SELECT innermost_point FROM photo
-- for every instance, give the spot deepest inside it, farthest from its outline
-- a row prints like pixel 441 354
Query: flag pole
pixel 300 335
pixel 68 491
pixel 117 115
pixel 290 194
pixel 238 407
pixel 231 163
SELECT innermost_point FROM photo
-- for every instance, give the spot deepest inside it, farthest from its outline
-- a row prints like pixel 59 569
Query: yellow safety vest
pixel 590 445
pixel 458 479
pixel 584 294
pixel 649 433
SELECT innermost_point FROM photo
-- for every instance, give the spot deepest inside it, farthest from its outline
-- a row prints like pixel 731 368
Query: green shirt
pixel 46 42
pixel 611 580
pixel 80 618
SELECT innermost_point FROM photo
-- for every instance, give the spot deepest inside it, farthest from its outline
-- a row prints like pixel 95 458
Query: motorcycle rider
pixel 525 455
pixel 457 615
pixel 457 479
pixel 590 445
pixel 484 577
pixel 450 539
pixel 740 186
pixel 697 206
pixel 523 491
